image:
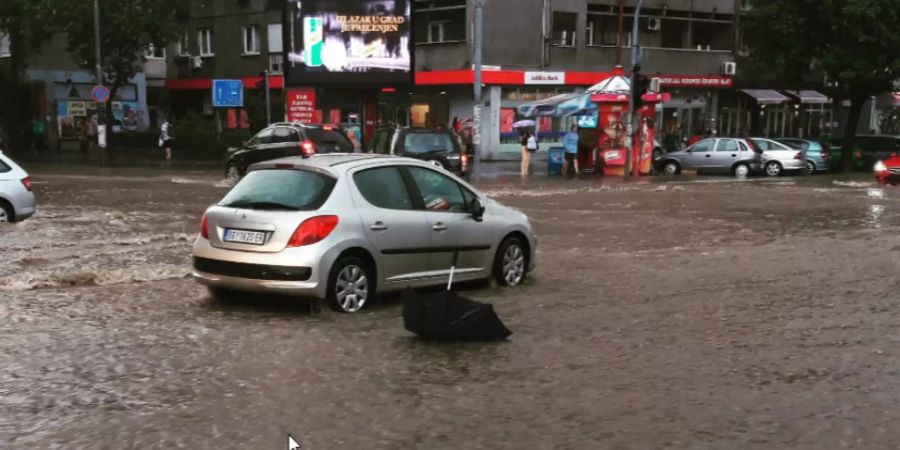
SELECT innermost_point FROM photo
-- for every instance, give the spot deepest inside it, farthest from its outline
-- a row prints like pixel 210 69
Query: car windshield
pixel 428 143
pixel 292 190
pixel 331 137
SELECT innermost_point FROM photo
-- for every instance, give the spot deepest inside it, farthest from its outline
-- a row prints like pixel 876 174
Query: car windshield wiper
pixel 261 205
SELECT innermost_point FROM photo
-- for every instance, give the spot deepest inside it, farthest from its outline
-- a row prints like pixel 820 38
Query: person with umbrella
pixel 528 141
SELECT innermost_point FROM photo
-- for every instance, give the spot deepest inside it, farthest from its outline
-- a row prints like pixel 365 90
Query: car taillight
pixel 313 230
pixel 307 148
pixel 204 230
pixel 799 155
pixel 464 159
pixel 27 183
pixel 825 156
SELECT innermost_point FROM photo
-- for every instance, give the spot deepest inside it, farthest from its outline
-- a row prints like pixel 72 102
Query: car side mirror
pixel 689 151
pixel 477 210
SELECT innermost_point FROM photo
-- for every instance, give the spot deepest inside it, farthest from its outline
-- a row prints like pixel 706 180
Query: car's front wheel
pixel 511 262
pixel 351 284
pixel 773 169
pixel 232 173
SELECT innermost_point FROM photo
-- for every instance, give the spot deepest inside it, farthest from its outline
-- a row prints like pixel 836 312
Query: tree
pixel 27 24
pixel 127 30
pixel 854 42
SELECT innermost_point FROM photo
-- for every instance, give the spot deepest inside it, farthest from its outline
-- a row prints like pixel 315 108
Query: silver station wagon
pixel 342 227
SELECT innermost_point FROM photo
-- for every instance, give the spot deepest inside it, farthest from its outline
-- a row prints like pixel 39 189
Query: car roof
pixel 334 162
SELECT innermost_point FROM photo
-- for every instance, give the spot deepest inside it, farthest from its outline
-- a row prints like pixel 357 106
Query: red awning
pixel 502 77
pixel 275 82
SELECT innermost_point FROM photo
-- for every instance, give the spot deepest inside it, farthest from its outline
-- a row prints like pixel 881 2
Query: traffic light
pixel 640 85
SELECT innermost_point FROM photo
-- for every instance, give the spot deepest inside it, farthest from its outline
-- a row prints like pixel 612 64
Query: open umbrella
pixel 446 316
pixel 524 123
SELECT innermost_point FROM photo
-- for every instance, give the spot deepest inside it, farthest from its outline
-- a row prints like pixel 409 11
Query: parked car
pixel 285 139
pixel 441 147
pixel 16 198
pixel 343 227
pixel 778 158
pixel 737 156
pixel 817 153
pixel 876 148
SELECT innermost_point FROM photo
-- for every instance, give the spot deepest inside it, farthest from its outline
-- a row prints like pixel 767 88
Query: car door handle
pixel 378 226
pixel 734 155
pixel 709 156
pixel 439 227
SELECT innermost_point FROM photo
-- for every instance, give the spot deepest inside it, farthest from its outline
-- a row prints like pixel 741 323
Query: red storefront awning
pixel 510 77
pixel 275 82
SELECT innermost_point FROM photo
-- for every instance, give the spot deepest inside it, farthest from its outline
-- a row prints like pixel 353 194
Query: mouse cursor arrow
pixel 292 444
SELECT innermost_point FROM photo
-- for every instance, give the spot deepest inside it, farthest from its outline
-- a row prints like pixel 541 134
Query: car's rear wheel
pixel 810 167
pixel 232 173
pixel 773 168
pixel 6 213
pixel 741 171
pixel 671 168
pixel 351 284
pixel 511 262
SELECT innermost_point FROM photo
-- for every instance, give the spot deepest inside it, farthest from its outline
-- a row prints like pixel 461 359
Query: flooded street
pixel 665 313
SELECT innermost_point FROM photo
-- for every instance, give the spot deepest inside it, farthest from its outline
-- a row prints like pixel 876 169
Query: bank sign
pixel 348 41
pixel 545 78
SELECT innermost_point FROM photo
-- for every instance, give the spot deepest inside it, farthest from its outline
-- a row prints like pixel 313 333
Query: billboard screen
pixel 348 41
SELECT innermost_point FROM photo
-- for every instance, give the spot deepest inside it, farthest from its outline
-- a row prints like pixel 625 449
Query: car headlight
pixel 880 167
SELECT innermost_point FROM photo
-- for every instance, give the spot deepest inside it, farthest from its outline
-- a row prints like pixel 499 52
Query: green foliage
pixel 127 29
pixel 854 42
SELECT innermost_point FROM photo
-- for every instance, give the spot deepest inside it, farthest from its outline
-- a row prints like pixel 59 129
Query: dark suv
pixel 285 139
pixel 441 147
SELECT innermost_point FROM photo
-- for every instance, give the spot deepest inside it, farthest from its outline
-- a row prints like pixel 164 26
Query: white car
pixel 16 198
pixel 778 158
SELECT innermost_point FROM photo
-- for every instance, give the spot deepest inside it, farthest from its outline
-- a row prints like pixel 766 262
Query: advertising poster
pixel 349 41
pixel 545 124
pixel 301 105
pixel 507 118
pixel 334 116
pixel 127 116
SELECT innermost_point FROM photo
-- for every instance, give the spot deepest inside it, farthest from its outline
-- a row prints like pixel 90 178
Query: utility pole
pixel 633 124
pixel 98 66
pixel 476 59
pixel 268 98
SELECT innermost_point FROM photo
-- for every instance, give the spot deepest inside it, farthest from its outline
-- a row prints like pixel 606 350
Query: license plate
pixel 245 236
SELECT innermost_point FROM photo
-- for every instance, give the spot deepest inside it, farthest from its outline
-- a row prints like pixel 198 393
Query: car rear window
pixel 4 168
pixel 283 189
pixel 332 137
pixel 428 143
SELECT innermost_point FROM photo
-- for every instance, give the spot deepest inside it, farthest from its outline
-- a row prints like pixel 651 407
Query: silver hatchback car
pixel 344 226
pixel 16 198
pixel 723 155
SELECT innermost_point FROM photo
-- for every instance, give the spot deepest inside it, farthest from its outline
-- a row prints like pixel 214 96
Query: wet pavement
pixel 664 313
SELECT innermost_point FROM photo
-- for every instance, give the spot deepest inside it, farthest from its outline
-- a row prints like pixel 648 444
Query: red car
pixel 888 171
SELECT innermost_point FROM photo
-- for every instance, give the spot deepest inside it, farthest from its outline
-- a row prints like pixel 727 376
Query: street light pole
pixel 633 124
pixel 98 66
pixel 268 98
pixel 476 59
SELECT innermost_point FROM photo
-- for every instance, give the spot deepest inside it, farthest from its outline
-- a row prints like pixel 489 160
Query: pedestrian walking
pixel 37 134
pixel 530 145
pixel 570 143
pixel 167 139
pixel 90 135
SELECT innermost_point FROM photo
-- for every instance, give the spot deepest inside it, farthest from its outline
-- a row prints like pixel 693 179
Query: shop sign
pixel 545 78
pixel 301 105
pixel 696 81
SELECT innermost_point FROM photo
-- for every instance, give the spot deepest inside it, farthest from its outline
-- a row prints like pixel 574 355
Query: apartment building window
pixel 183 46
pixel 564 28
pixel 602 30
pixel 4 46
pixel 276 63
pixel 672 33
pixel 711 35
pixel 205 41
pixel 155 52
pixel 439 22
pixel 250 35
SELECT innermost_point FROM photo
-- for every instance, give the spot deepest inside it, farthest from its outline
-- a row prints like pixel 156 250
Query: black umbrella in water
pixel 446 316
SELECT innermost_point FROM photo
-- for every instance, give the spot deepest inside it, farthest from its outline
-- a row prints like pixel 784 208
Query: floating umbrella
pixel 446 316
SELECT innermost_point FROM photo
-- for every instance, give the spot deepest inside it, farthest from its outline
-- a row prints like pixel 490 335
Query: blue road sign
pixel 100 93
pixel 228 94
